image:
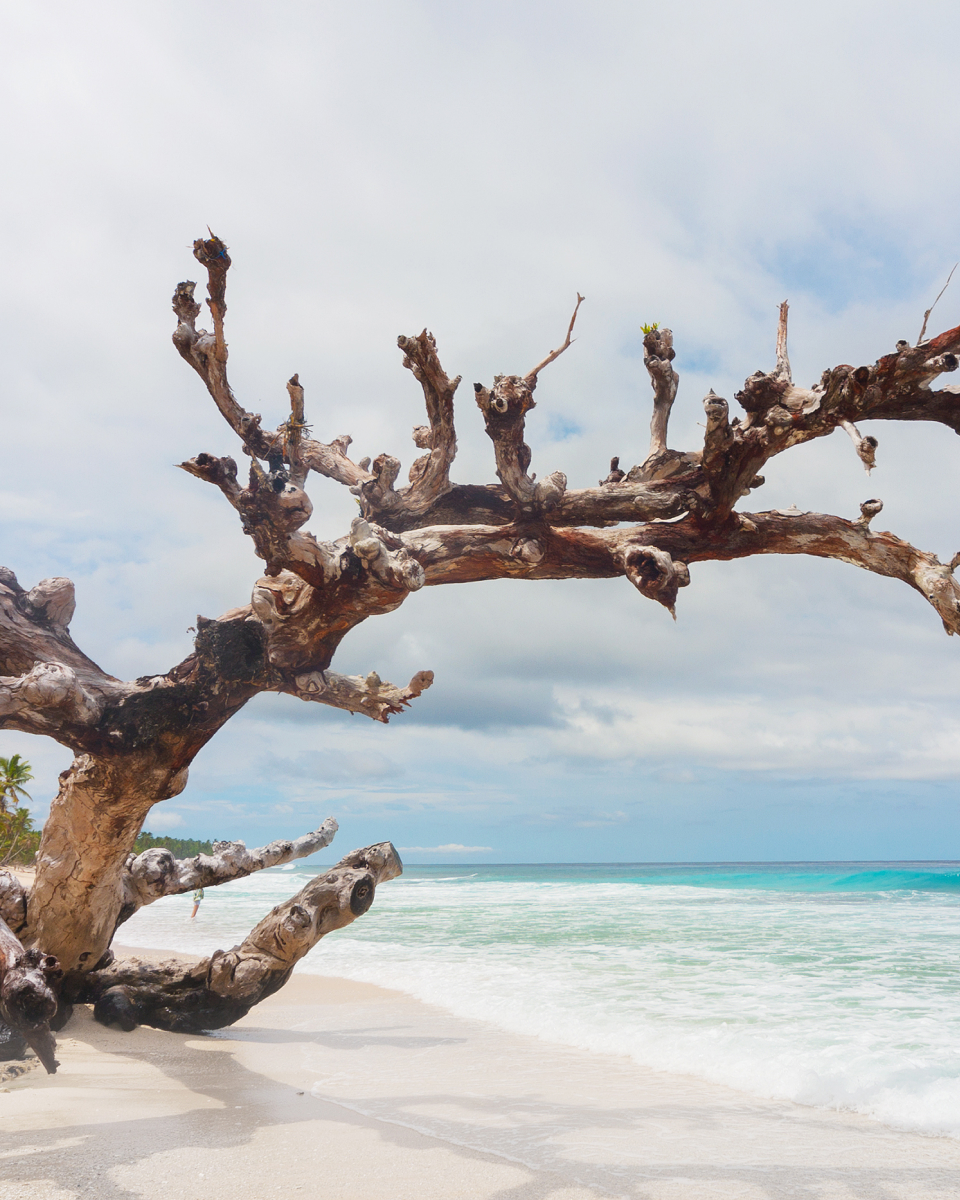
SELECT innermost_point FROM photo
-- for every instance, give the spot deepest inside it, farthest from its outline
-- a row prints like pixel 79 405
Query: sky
pixel 377 168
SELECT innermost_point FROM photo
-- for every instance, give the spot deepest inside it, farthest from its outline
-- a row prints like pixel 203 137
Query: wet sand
pixel 350 1091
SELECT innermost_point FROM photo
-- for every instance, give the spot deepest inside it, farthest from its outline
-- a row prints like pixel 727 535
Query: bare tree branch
pixel 658 356
pixel 367 695
pixel 430 475
pixel 926 315
pixel 782 370
pixel 219 990
pixel 156 873
pixel 531 376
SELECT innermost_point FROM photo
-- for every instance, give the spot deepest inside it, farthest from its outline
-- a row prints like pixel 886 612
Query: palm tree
pixel 14 773
pixel 18 831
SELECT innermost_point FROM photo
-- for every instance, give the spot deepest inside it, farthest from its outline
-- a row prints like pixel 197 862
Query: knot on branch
pixel 277 598
pixel 49 685
pixel 761 391
pixel 150 874
pixel 868 510
pixel 395 568
pixel 184 304
pixel 510 398
pixel 658 346
pixel 293 503
pixel 935 581
pixel 866 447
pixel 271 499
pixel 528 550
pixel 291 616
pixel 52 601
pixel 548 493
pixel 941 364
pixel 212 253
pixel 655 574
pixel 187 310
pixel 379 492
pixel 916 364
pixel 26 991
pixel 718 437
pixel 222 472
pixel 616 475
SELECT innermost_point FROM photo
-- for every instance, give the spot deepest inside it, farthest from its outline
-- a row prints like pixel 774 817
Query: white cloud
pixel 545 162
pixel 811 735
pixel 162 819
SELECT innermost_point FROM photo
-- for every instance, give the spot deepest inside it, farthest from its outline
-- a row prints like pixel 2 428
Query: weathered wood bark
pixel 224 987
pixel 28 1001
pixel 134 741
pixel 156 873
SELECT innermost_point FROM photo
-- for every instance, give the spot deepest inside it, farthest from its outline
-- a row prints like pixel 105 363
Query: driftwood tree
pixel 134 741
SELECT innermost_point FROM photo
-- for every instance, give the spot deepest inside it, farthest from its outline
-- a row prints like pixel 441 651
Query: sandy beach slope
pixel 349 1092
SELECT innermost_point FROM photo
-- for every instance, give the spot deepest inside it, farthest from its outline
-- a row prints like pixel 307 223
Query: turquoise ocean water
pixel 831 984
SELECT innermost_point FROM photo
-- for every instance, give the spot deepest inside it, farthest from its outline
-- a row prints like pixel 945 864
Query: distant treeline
pixel 180 847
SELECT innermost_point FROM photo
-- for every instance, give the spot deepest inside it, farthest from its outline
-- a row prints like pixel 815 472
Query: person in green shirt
pixel 197 897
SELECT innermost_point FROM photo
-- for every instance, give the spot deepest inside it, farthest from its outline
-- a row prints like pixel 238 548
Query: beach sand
pixel 347 1091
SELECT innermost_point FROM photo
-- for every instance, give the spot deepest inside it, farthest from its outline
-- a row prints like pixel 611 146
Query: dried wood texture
pixel 28 1001
pixel 156 873
pixel 134 741
pixel 224 987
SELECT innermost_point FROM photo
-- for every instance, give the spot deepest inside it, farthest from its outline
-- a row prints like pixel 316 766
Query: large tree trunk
pixel 76 901
pixel 134 741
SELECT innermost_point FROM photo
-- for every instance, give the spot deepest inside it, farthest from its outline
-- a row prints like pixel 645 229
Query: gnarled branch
pixel 658 356
pixel 220 989
pixel 28 1001
pixel 156 873
pixel 430 475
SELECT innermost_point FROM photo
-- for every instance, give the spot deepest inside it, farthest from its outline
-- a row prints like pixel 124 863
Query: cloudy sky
pixel 379 167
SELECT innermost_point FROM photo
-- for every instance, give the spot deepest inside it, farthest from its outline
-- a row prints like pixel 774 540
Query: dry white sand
pixel 349 1092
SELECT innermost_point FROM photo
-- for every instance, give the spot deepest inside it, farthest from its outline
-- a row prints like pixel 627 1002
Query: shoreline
pixel 352 1090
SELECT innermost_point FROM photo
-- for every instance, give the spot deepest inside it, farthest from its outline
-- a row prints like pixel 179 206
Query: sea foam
pixel 830 985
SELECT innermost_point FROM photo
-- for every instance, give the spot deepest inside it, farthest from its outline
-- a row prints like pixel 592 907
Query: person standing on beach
pixel 197 897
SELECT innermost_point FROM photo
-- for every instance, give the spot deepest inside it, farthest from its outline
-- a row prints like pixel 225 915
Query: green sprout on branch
pixel 650 328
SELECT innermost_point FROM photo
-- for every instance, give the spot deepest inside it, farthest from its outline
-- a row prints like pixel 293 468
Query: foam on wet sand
pixel 351 1091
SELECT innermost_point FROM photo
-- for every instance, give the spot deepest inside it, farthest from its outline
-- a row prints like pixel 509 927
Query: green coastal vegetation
pixel 181 847
pixel 20 840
